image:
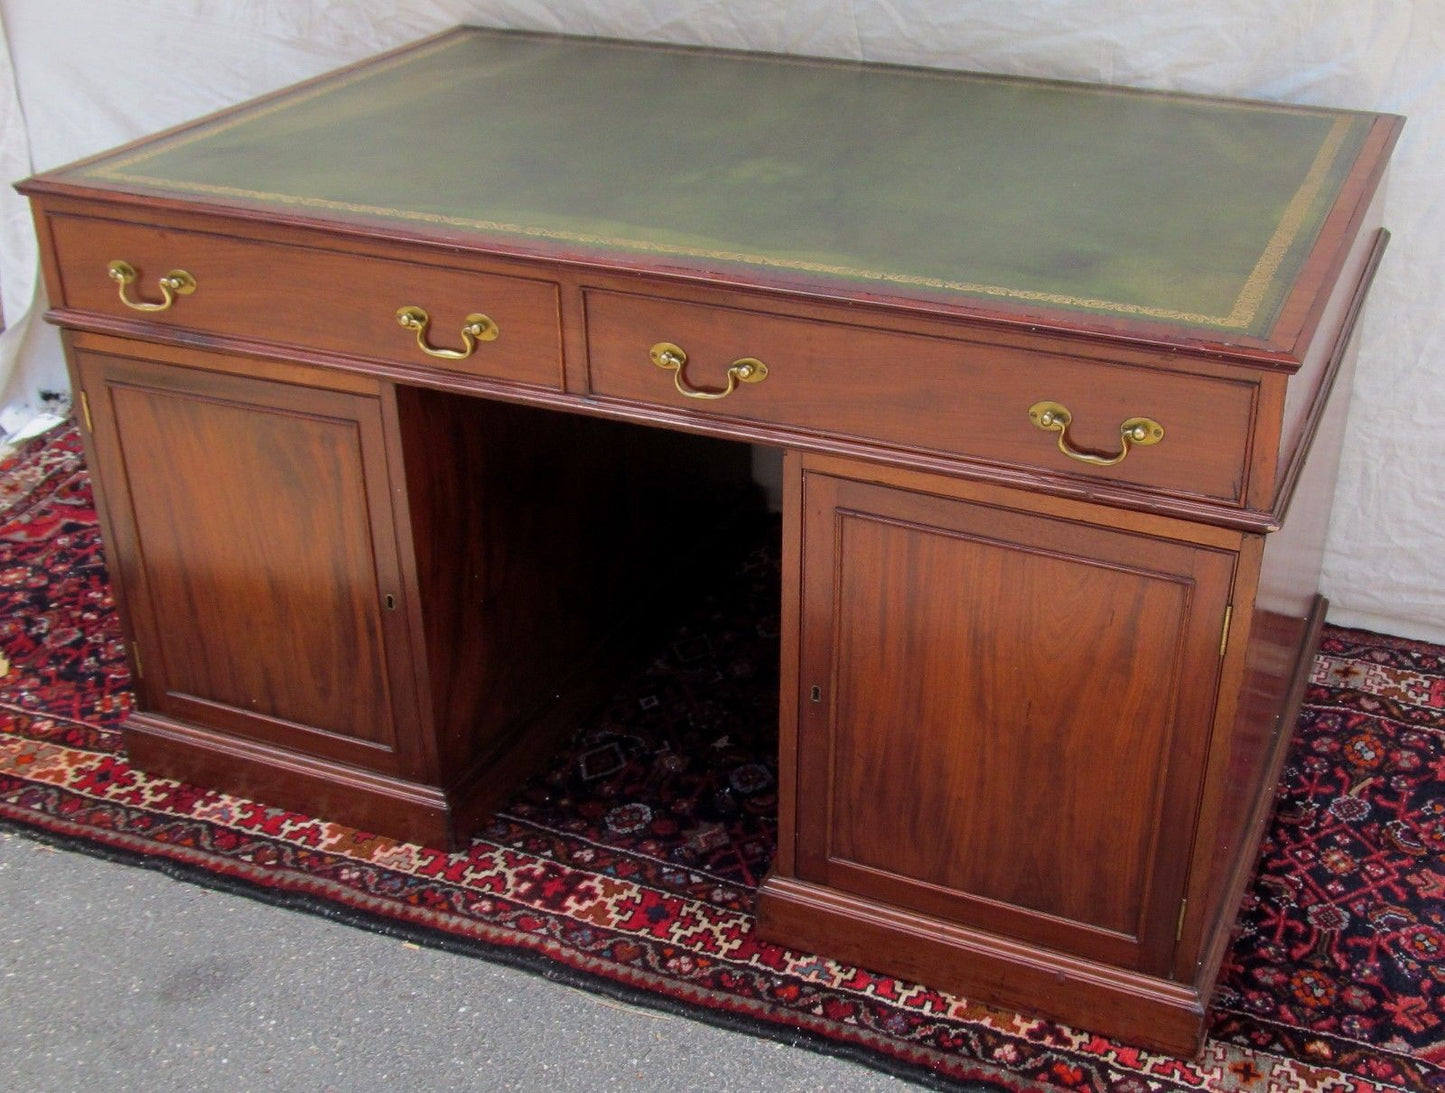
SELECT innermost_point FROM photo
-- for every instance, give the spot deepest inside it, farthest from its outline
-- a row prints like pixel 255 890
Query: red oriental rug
pixel 630 867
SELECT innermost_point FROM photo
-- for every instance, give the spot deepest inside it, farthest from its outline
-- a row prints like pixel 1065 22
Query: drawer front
pixel 317 299
pixel 931 394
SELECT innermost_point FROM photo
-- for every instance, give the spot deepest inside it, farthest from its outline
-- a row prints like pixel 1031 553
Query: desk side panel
pixel 1319 373
pixel 1283 629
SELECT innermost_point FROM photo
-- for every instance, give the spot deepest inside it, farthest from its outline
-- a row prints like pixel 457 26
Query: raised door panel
pixel 1003 717
pixel 253 536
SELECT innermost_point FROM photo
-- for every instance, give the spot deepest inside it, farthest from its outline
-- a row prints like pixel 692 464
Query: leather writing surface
pixel 1130 204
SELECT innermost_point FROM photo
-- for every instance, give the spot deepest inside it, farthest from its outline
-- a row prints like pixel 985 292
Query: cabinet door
pixel 252 532
pixel 1003 716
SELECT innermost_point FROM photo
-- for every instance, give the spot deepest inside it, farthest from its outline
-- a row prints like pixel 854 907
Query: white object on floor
pixel 18 424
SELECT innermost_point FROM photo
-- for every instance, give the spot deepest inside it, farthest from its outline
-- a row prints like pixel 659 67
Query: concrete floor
pixel 122 978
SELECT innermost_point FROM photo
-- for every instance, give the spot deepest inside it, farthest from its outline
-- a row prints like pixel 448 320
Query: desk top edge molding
pixel 1281 347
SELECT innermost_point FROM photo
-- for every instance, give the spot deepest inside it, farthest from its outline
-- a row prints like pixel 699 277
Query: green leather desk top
pixel 903 184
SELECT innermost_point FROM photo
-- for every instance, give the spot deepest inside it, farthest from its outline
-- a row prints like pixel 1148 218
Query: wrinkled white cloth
pixel 90 74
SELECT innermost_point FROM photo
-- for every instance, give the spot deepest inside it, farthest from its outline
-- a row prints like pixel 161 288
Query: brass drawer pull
pixel 175 283
pixel 1142 431
pixel 476 328
pixel 671 358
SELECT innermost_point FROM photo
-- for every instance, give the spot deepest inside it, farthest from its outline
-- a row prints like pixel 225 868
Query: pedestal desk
pixel 1060 374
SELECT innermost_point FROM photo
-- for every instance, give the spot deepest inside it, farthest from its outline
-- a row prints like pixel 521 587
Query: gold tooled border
pixel 1241 316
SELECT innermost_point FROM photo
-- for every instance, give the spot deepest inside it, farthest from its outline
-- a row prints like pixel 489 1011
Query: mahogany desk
pixel 1060 373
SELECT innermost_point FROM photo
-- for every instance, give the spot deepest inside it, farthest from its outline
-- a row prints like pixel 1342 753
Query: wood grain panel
pixel 998 741
pixel 957 397
pixel 1007 700
pixel 314 298
pixel 254 526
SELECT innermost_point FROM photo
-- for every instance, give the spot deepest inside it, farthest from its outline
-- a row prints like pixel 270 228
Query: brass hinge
pixel 85 409
pixel 1224 634
pixel 135 656
pixel 1179 926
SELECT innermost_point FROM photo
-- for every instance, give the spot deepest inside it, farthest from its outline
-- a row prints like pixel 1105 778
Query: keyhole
pixel 390 602
pixel 816 694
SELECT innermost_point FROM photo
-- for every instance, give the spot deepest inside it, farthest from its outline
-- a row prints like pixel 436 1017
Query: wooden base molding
pixel 290 779
pixel 1137 1008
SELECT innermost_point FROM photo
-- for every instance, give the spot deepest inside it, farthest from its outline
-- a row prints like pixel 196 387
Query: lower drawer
pixel 958 398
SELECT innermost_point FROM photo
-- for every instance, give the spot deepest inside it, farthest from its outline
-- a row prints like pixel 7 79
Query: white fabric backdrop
pixel 89 74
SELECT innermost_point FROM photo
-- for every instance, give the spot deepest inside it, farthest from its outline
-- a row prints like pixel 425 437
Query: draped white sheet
pixel 80 76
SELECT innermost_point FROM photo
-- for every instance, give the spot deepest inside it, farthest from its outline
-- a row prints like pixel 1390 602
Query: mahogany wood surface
pixel 970 399
pixel 988 967
pixel 292 777
pixel 1051 471
pixel 1020 700
pixel 316 298
pixel 1306 395
pixel 257 611
pixel 1031 708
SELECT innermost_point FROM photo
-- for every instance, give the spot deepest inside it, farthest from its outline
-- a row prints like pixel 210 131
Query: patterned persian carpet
pixel 629 868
